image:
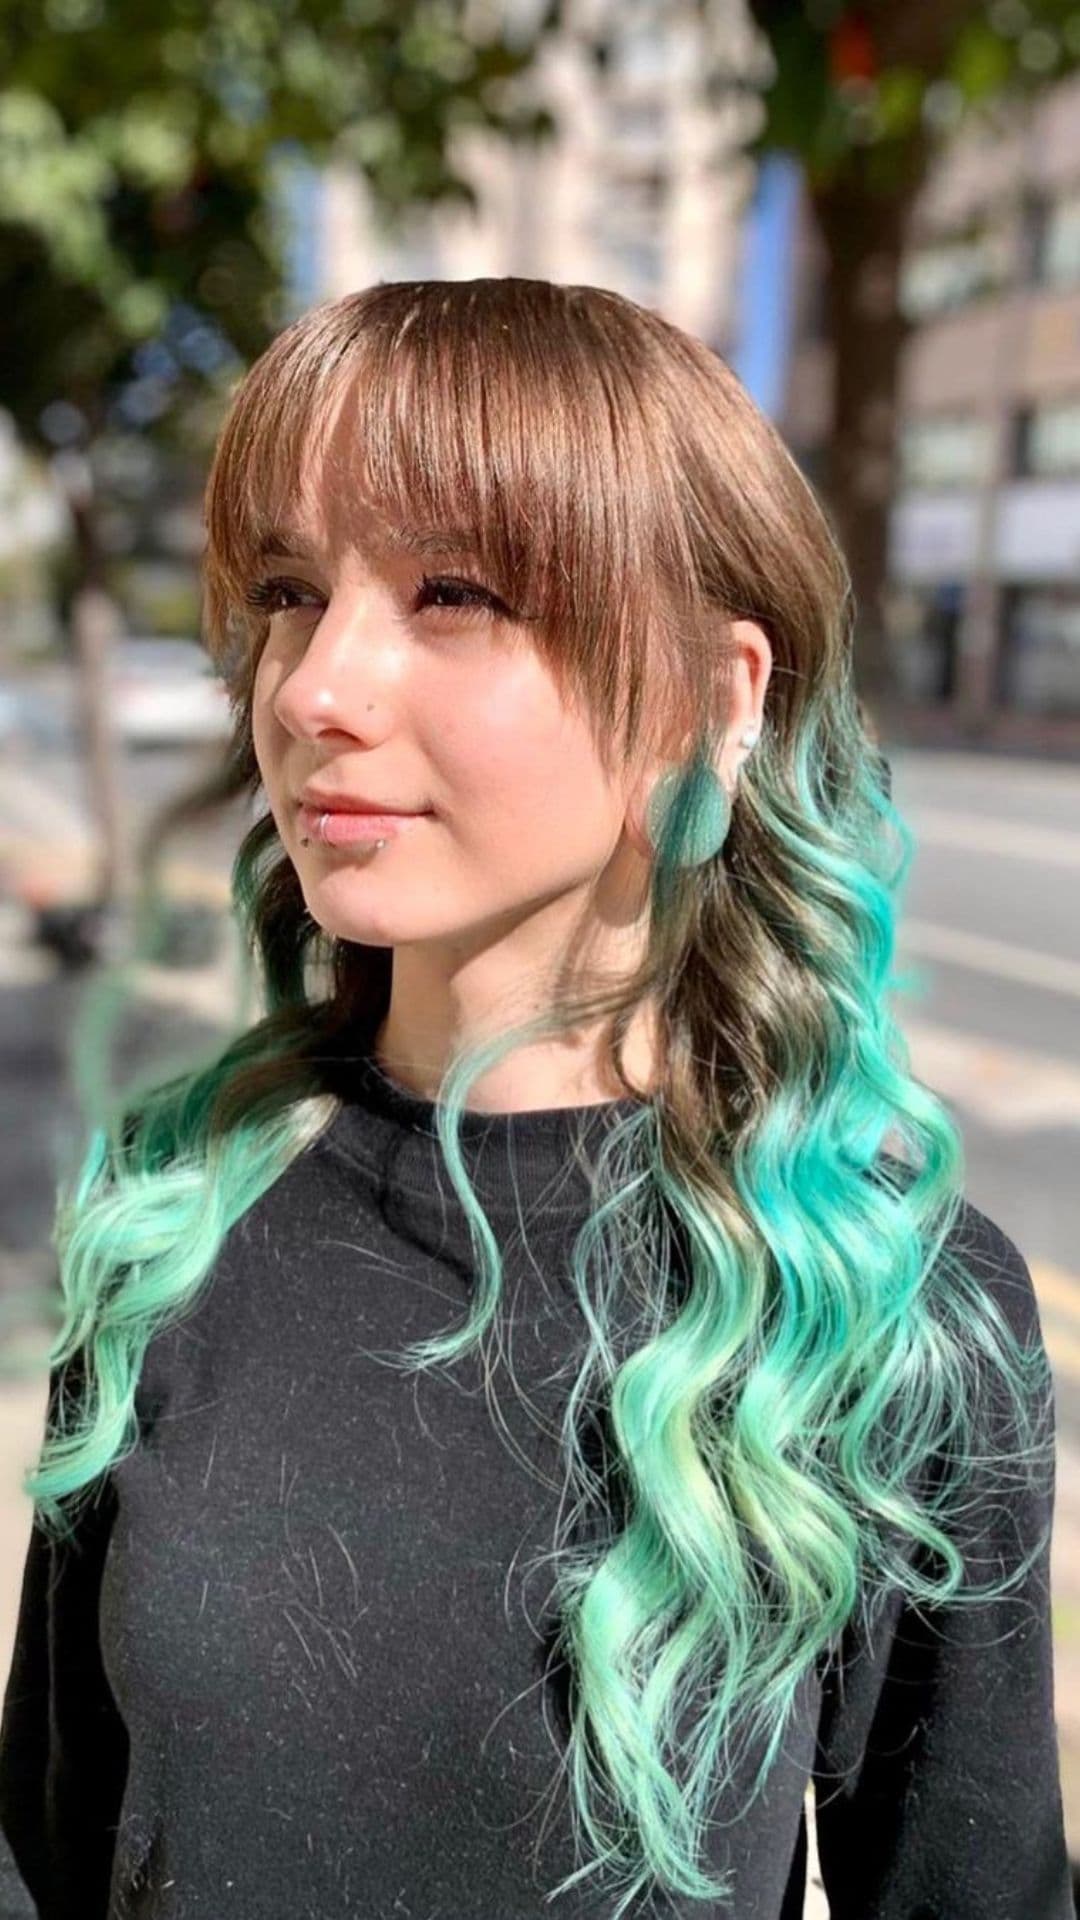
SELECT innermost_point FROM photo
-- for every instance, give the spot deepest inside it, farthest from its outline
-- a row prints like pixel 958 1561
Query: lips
pixel 348 803
pixel 326 828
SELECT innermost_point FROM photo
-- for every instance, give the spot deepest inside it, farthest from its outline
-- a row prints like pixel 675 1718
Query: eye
pixel 276 595
pixel 465 596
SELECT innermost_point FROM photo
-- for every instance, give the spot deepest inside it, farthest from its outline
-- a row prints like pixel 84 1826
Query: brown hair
pixel 616 482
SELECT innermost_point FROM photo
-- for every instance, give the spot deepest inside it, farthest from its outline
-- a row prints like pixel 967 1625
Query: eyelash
pixel 262 594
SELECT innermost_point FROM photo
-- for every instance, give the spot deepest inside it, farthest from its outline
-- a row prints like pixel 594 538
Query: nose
pixel 350 655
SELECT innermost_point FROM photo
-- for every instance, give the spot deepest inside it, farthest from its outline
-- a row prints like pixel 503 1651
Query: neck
pixel 548 1073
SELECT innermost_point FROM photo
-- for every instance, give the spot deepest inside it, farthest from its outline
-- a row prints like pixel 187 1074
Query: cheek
pixel 258 735
pixel 518 770
pixel 266 732
pixel 271 741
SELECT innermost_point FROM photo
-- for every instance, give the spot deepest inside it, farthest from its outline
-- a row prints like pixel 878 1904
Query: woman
pixel 534 1425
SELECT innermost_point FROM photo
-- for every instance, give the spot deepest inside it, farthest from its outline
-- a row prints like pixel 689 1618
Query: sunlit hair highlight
pixel 788 1360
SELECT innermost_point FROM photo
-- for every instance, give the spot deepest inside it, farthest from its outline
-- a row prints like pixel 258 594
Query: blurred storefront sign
pixel 1036 535
pixel 1033 558
pixel 933 537
pixel 1038 531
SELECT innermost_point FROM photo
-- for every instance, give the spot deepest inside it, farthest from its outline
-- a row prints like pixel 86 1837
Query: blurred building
pixel 985 536
pixel 642 189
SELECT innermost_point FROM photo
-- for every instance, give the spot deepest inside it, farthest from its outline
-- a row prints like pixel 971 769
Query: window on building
pixel 1049 440
pixel 1040 659
pixel 639 259
pixel 940 274
pixel 923 633
pixel 1058 248
pixel 953 450
pixel 642 50
pixel 639 123
pixel 644 191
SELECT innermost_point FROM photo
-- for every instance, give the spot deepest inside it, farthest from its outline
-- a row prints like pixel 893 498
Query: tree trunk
pixel 863 231
pixel 95 623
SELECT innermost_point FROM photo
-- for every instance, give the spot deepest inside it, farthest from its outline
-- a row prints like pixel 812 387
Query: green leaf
pixel 900 96
pixel 982 61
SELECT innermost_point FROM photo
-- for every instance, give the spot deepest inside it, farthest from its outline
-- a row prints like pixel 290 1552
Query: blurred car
pixel 34 715
pixel 167 692
pixel 12 711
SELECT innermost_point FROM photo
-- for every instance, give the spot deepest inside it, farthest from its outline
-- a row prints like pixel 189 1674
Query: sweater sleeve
pixel 937 1782
pixel 63 1743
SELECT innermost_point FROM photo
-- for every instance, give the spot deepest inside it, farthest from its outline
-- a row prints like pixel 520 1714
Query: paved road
pixel 992 920
pixel 990 933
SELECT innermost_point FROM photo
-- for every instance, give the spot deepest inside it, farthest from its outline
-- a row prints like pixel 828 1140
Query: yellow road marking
pixel 1056 1287
pixel 1007 1087
pixel 1059 1292
pixel 1063 1350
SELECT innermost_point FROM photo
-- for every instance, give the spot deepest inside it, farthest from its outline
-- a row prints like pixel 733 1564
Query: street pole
pixel 95 626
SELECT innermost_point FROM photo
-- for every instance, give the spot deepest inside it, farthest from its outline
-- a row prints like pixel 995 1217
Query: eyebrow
pixel 418 540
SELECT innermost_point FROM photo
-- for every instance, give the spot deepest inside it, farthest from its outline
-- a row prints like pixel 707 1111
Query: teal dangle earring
pixel 713 810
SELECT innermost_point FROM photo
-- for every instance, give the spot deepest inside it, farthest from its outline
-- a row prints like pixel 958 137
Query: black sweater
pixel 296 1669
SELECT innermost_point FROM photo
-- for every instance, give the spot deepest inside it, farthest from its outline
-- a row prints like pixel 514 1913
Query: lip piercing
pixel 320 834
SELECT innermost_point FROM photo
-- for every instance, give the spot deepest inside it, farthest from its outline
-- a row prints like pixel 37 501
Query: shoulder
pixel 996 1258
pixel 1013 1433
pixel 993 1258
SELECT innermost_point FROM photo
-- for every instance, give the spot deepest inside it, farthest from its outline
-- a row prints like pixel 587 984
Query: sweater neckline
pixel 523 1159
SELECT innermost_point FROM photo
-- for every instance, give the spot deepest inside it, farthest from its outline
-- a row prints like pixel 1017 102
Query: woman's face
pixel 426 694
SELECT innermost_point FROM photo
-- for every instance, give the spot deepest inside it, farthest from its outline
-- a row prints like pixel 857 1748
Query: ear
pixel 751 671
pixel 751 667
